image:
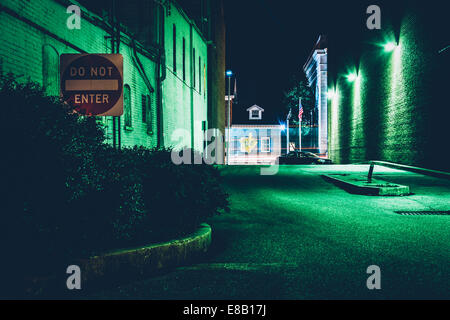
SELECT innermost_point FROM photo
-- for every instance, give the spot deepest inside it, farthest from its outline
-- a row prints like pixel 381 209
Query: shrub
pixel 45 148
pixel 180 206
pixel 66 194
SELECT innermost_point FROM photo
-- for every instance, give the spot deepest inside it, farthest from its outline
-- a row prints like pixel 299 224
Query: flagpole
pixel 300 129
pixel 229 120
pixel 287 136
pixel 287 132
pixel 300 135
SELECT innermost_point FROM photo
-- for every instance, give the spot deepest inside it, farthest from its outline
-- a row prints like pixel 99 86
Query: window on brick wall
pixel 127 105
pixel 144 108
pixel 50 70
pixel 174 48
pixel 147 111
pixel 150 105
pixel 193 65
pixel 184 59
pixel 204 79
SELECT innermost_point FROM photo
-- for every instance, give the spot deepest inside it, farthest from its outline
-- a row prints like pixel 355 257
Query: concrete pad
pixel 359 184
pixel 293 235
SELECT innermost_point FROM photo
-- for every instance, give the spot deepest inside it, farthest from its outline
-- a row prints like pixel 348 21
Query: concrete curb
pixel 351 184
pixel 146 260
pixel 427 172
pixel 129 263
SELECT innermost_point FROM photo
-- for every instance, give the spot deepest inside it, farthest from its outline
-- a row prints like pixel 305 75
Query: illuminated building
pixel 173 63
pixel 316 73
pixel 253 139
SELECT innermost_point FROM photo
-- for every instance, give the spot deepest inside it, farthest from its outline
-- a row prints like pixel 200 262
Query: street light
pixel 390 46
pixel 288 117
pixel 229 74
pixel 330 94
pixel 352 77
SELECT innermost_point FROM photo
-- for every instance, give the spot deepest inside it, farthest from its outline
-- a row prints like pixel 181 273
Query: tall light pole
pixel 287 131
pixel 229 74
pixel 311 130
pixel 300 116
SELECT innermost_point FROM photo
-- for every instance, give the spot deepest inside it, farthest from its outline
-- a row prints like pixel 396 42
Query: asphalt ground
pixel 294 235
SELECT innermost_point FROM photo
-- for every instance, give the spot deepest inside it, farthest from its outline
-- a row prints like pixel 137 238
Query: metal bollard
pixel 369 177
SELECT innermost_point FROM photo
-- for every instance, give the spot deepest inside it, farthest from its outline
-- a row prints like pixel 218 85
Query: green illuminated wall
pixel 34 34
pixel 188 107
pixel 394 110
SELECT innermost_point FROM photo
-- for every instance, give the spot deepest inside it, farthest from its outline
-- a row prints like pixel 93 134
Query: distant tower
pixel 316 72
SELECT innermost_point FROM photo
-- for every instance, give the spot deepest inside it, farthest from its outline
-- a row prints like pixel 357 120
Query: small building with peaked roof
pixel 254 136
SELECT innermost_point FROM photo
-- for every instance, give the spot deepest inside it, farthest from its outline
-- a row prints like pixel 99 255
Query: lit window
pixel 255 115
pixel 255 112
pixel 265 144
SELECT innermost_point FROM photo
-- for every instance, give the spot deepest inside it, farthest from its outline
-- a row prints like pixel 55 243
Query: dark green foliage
pixel 181 205
pixel 299 88
pixel 65 194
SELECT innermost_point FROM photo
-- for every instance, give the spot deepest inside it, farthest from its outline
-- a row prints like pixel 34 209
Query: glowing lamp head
pixel 352 77
pixel 390 46
pixel 229 73
pixel 330 94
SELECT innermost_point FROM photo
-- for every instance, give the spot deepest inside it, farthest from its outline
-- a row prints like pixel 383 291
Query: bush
pixel 46 148
pixel 67 194
pixel 183 195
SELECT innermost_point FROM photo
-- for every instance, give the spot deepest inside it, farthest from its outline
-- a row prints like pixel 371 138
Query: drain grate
pixel 423 213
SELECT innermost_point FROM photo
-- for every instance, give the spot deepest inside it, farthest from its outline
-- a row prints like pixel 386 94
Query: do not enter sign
pixel 93 83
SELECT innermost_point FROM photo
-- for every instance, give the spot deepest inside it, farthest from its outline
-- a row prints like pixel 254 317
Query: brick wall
pixel 395 110
pixel 34 34
pixel 188 108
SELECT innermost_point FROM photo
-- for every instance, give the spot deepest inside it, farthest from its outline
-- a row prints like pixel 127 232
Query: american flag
pixel 300 110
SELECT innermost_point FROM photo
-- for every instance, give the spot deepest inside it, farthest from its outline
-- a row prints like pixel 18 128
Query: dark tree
pixel 299 88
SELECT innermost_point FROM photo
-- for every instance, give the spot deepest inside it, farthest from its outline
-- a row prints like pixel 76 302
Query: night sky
pixel 268 41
